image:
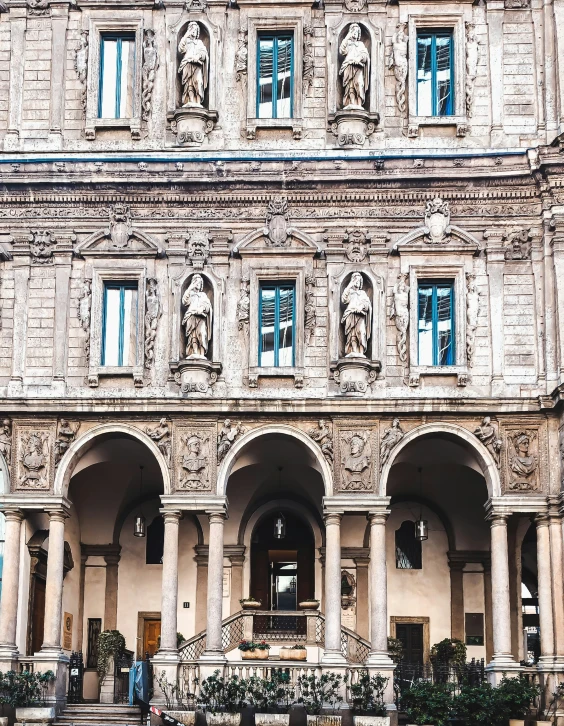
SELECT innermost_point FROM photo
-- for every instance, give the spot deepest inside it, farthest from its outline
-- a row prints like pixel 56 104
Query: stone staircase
pixel 99 714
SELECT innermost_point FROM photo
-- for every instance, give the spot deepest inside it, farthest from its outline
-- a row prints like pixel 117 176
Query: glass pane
pixel 425 327
pixel 266 49
pixel 109 76
pixel 286 331
pixel 444 86
pixel 268 302
pixel 126 78
pixel 424 76
pixel 130 327
pixel 111 327
pixel 444 325
pixel 284 86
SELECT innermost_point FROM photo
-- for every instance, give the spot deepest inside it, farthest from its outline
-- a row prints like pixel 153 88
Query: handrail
pixel 194 647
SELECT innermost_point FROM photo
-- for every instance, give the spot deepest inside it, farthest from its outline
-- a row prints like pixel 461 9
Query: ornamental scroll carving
pixel 195 462
pixel 523 461
pixel 33 457
pixel 355 448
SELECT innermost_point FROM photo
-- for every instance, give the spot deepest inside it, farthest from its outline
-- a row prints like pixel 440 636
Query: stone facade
pixel 202 203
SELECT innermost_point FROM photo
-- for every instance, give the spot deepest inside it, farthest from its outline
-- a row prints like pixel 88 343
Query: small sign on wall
pixel 67 631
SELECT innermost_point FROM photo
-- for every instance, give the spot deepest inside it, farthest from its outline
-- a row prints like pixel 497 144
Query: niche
pixel 206 290
pixel 204 36
pixel 355 50
pixel 353 296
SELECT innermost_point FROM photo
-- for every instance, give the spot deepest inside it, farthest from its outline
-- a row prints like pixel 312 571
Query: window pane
pixel 130 327
pixel 444 88
pixel 108 80
pixel 424 76
pixel 284 87
pixel 266 50
pixel 444 325
pixel 111 327
pixel 286 331
pixel 126 77
pixel 425 328
pixel 268 311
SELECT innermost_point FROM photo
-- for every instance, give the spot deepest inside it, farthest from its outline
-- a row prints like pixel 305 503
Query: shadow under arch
pixel 458 434
pixel 124 514
pixel 258 511
pixel 93 436
pixel 274 430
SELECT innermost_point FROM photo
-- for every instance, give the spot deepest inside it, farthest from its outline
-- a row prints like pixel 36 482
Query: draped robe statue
pixel 357 317
pixel 355 70
pixel 197 319
pixel 194 66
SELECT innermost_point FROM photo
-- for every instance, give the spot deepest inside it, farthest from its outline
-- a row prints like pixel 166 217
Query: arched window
pixel 408 548
pixel 155 542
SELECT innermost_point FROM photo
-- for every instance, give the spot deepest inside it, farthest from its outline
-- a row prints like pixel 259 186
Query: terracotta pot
pixel 251 605
pixel 309 605
pixel 293 654
pixel 254 654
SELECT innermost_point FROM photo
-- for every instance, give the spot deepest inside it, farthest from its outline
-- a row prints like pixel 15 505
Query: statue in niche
pixel 355 70
pixel 522 462
pixel 197 318
pixel 398 62
pixel 194 66
pixel 357 318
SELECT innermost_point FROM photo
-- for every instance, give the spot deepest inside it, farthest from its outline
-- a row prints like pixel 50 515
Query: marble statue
pixel 197 318
pixel 194 66
pixel 355 70
pixel 357 318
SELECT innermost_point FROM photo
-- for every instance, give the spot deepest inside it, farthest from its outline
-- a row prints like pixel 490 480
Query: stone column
pixel 556 559
pixel 169 597
pixel 456 599
pixel 488 608
pixel 59 23
pixel 214 648
pixel 333 654
pixel 17 53
pixel 495 14
pixel 237 559
pixel 54 584
pixel 378 590
pixel 495 269
pixel 201 595
pixel 10 585
pixel 362 596
pixel 545 590
pixel 501 610
pixel 110 605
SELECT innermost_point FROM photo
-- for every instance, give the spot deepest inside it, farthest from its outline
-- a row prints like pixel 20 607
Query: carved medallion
pixel 355 6
pixel 437 222
pixel 120 225
pixel 277 221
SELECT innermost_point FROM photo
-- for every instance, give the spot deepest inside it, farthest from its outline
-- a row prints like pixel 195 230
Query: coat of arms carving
pixel 33 460
pixel 120 226
pixel 277 221
pixel 437 222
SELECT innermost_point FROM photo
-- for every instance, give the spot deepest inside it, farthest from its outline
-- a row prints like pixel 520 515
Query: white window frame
pixel 118 24
pixel 101 275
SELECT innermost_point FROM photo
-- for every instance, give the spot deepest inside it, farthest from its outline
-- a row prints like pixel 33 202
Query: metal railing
pixel 472 673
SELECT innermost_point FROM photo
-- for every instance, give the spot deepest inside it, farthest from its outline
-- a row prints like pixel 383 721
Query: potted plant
pixel 309 604
pixel 427 704
pixel 476 705
pixel 222 699
pixel 254 651
pixel 271 698
pixel 294 652
pixel 550 712
pixel 513 699
pixel 26 692
pixel 317 692
pixel 367 700
pixel 249 603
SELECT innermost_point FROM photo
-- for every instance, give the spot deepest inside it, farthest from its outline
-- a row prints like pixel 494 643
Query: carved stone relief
pixel 523 460
pixel 194 460
pixel 518 244
pixel 397 61
pixel 472 311
pixel 194 66
pixel 84 312
pixel 355 461
pixel 41 247
pixel 399 313
pixel 227 436
pixel 488 433
pixel 66 434
pixel 6 440
pixel 149 71
pixel 198 248
pixel 356 245
pixel 38 7
pixel 81 66
pixel 355 68
pixel 277 222
pixel 120 228
pixel 437 222
pixel 390 439
pixel 308 62
pixel 472 55
pixel 323 435
pixel 310 315
pixel 357 317
pixel 33 460
pixel 244 305
pixel 241 54
pixel 153 311
pixel 197 318
pixel 355 6
pixel 161 436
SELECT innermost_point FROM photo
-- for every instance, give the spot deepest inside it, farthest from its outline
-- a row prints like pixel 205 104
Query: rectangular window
pixel 119 325
pixel 436 323
pixel 117 71
pixel 94 629
pixel 275 71
pixel 474 628
pixel 276 334
pixel 435 71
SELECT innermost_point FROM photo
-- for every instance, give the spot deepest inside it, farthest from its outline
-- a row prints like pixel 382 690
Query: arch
pixel 276 429
pixel 483 456
pixel 85 442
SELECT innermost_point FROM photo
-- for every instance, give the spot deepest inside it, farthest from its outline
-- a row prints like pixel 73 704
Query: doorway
pixel 148 634
pixel 414 634
pixel 37 620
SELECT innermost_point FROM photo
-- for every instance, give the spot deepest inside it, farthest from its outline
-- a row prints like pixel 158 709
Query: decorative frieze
pixel 194 457
pixel 34 460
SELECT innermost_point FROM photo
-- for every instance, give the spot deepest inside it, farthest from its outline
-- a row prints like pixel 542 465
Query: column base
pixel 380 659
pixel 380 663
pixel 211 661
pixel 165 663
pixel 500 665
pixel 333 658
pixel 53 660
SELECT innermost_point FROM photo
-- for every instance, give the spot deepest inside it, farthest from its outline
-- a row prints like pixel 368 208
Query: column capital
pixel 541 520
pixel 332 518
pixel 57 515
pixel 13 515
pixel 112 559
pixel 216 517
pixel 498 519
pixel 171 516
pixel 378 517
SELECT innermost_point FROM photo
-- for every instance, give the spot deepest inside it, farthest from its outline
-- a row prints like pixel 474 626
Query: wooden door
pixel 38 615
pixel 151 634
pixel 411 636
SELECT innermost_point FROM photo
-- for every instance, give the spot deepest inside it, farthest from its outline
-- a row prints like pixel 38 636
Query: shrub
pixel 428 703
pixel 449 650
pixel 24 689
pixel 320 692
pixel 476 705
pixel 275 693
pixel 367 695
pixel 219 694
pixel 514 697
pixel 110 643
